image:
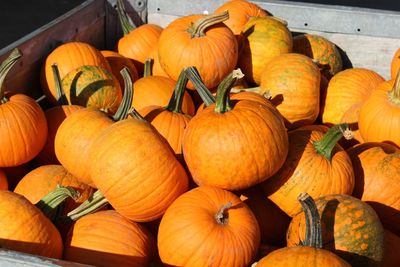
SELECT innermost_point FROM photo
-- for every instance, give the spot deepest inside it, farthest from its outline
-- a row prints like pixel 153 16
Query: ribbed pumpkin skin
pixel 117 63
pixel 106 238
pixel 320 49
pixel 347 88
pixel 376 168
pixel 264 38
pixel 156 91
pixel 245 145
pixel 24 228
pixel 395 66
pixel 379 117
pixel 74 138
pixel 136 170
pixel 350 228
pixel 302 257
pixel 189 234
pixel 23 130
pixel 68 57
pixel 54 117
pixel 305 170
pixel 214 55
pixel 138 44
pixel 91 86
pixel 3 180
pixel 294 83
pixel 239 13
pixel 392 247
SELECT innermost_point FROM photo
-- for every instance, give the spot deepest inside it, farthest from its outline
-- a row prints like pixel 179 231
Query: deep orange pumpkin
pixel 106 238
pixel 395 66
pixel 117 63
pixel 3 180
pixel 208 227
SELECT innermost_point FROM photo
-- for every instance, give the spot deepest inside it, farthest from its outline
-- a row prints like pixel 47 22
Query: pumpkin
pixel 23 127
pixel 315 164
pixel 200 41
pixel 264 38
pixel 376 168
pixel 323 51
pixel 68 57
pixel 137 42
pixel 293 81
pixel 117 63
pixel 246 142
pixel 392 247
pixel 106 238
pixel 380 115
pixel 208 226
pixel 347 88
pixel 24 228
pixel 156 68
pixel 309 253
pixel 351 118
pixel 350 228
pixel 395 66
pixel 3 180
pixel 156 91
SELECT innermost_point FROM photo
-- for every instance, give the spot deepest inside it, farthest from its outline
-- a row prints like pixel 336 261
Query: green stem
pixel 197 29
pixel 205 94
pixel 50 203
pixel 221 217
pixel 60 94
pixel 222 103
pixel 126 103
pixel 313 222
pixel 147 67
pixel 329 140
pixel 93 204
pixel 175 103
pixel 394 94
pixel 134 114
pixel 5 67
pixel 126 24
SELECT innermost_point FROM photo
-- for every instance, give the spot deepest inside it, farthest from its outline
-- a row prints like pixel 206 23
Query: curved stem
pixel 147 67
pixel 93 204
pixel 222 103
pixel 126 103
pixel 175 103
pixel 60 94
pixel 394 94
pixel 5 67
pixel 205 94
pixel 329 140
pixel 134 114
pixel 221 217
pixel 197 29
pixel 49 204
pixel 313 222
pixel 126 24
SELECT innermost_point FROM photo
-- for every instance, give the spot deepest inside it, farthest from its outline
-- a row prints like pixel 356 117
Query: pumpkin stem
pixel 5 67
pixel 134 114
pixel 205 94
pixel 126 103
pixel 147 67
pixel 92 204
pixel 126 24
pixel 50 203
pixel 329 140
pixel 221 216
pixel 313 222
pixel 175 103
pixel 394 94
pixel 60 94
pixel 222 103
pixel 197 29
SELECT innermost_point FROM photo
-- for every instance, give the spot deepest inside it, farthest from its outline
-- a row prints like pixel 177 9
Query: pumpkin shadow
pixel 389 217
pixel 247 62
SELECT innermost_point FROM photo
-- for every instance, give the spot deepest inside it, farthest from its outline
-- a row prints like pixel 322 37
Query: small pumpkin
pixel 395 66
pixel 117 63
pixel 3 180
pixel 221 229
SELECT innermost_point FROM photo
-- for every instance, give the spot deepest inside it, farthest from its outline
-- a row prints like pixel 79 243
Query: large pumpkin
pixel 23 126
pixel 208 227
pixel 200 41
pixel 106 238
pixel 395 66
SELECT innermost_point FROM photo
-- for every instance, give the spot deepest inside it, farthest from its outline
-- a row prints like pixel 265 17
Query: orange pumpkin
pixel 347 88
pixel 23 127
pixel 3 180
pixel 293 81
pixel 392 247
pixel 106 238
pixel 315 164
pixel 200 41
pixel 117 63
pixel 68 57
pixel 208 227
pixel 376 168
pixel 156 69
pixel 395 66
pixel 351 118
pixel 256 147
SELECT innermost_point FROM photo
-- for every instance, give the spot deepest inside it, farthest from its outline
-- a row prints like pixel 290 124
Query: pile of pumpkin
pixel 221 140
